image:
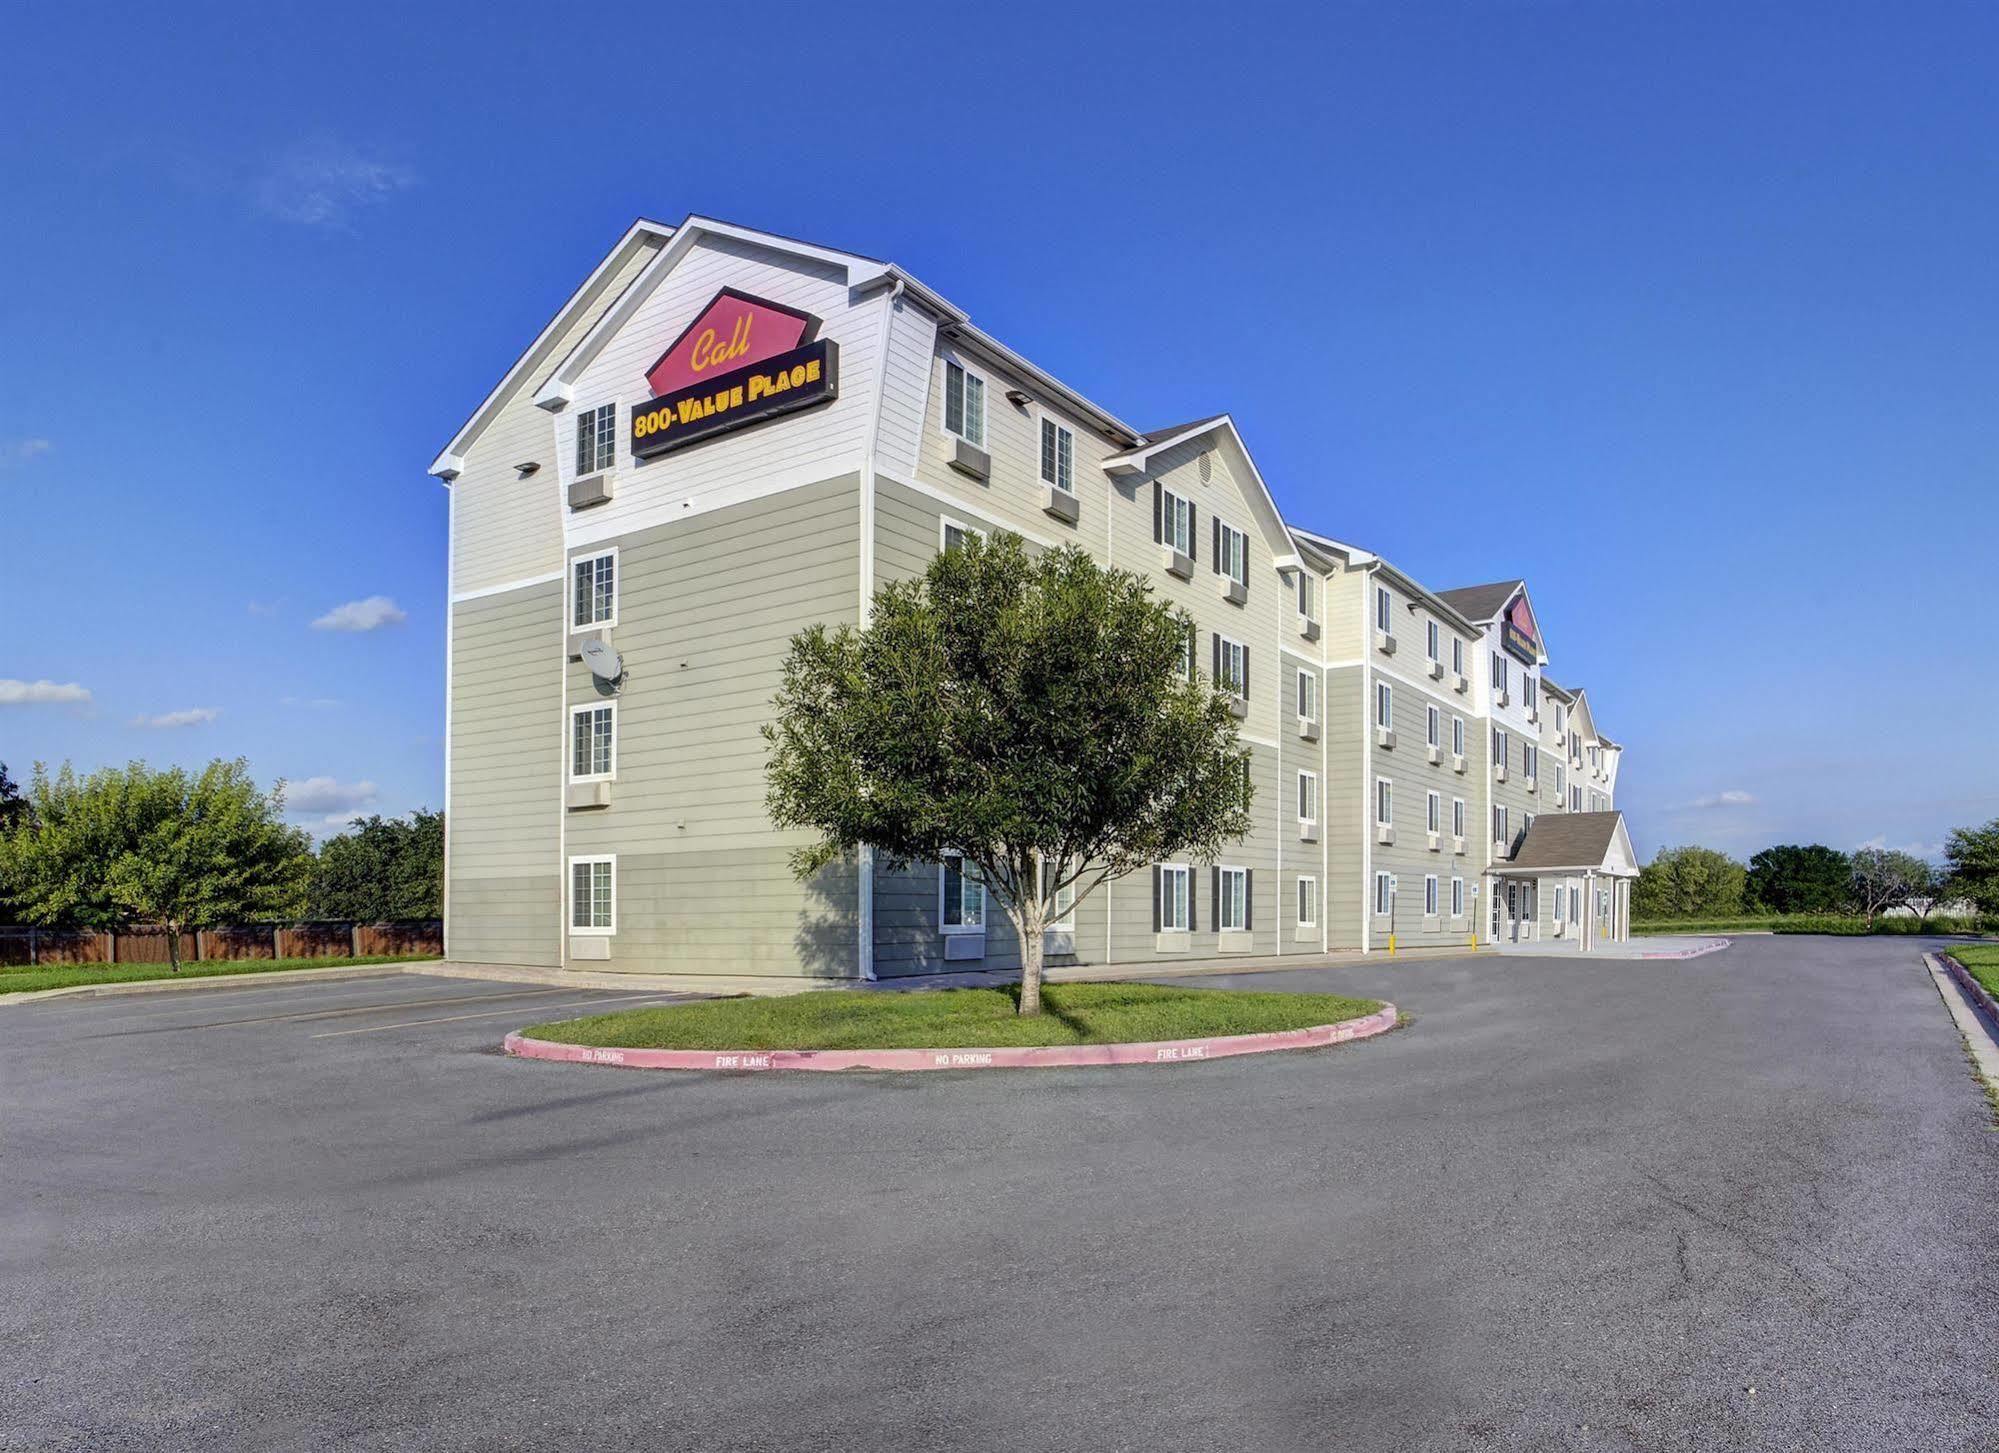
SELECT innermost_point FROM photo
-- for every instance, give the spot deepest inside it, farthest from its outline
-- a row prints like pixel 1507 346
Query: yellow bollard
pixel 1391 945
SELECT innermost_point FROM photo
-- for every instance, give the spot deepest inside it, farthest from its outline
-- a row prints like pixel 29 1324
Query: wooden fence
pixel 420 939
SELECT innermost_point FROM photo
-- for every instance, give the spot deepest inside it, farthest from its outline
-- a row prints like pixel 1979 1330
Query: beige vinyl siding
pixel 1409 768
pixel 1349 805
pixel 730 469
pixel 907 375
pixel 706 611
pixel 507 528
pixel 909 529
pixel 504 895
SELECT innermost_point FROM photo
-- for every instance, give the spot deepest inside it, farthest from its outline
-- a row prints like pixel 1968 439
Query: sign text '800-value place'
pixel 794 380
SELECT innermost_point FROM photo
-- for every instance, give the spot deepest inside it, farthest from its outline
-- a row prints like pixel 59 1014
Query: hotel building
pixel 726 435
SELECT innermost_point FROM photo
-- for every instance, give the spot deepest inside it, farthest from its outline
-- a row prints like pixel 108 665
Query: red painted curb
pixel 1712 946
pixel 1167 1051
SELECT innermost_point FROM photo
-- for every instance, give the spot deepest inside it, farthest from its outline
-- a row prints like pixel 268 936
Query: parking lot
pixel 1744 1201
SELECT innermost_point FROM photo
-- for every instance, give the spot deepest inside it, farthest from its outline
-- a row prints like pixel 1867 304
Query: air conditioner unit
pixel 1434 841
pixel 964 946
pixel 1458 765
pixel 1436 669
pixel 1530 782
pixel 1238 706
pixel 1458 846
pixel 1500 697
pixel 1499 772
pixel 1061 504
pixel 1308 728
pixel 1384 643
pixel 1308 628
pixel 1463 684
pixel 1308 831
pixel 1384 834
pixel 1178 564
pixel 1436 754
pixel 1384 737
pixel 594 489
pixel 1234 591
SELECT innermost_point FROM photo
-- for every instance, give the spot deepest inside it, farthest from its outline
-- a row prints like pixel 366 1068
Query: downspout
pixel 865 890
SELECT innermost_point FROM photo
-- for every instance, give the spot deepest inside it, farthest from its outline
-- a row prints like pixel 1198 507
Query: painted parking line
pixel 612 1003
pixel 377 1008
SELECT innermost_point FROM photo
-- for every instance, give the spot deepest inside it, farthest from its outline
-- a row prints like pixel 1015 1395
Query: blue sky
pixel 1720 275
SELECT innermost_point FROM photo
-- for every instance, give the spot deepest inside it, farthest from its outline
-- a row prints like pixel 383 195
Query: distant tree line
pixel 192 850
pixel 1791 878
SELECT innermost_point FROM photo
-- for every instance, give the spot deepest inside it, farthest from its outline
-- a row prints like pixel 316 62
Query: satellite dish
pixel 604 663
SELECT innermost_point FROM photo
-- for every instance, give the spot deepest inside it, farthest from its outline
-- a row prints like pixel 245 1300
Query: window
pixel 956 534
pixel 1429 895
pixel 1457 655
pixel 964 404
pixel 1498 673
pixel 1433 726
pixel 1176 522
pixel 1187 652
pixel 596 439
pixel 1457 736
pixel 1232 898
pixel 1384 704
pixel 1063 914
pixel 1231 666
pixel 596 590
pixel 1499 748
pixel 1530 759
pixel 1308 797
pixel 1381 895
pixel 593 895
pixel 1306 595
pixel 1457 898
pixel 963 895
pixel 1308 902
pixel 1527 689
pixel 1575 799
pixel 1499 824
pixel 1430 638
pixel 1232 553
pixel 1308 696
pixel 1175 907
pixel 1457 817
pixel 1058 456
pixel 1556 913
pixel 1575 904
pixel 1381 617
pixel 593 742
pixel 1433 812
pixel 1561 780
pixel 1561 721
pixel 1384 802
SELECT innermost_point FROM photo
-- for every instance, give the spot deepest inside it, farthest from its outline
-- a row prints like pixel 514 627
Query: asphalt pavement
pixel 1746 1201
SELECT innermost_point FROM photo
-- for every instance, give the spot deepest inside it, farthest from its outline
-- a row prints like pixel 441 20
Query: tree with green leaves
pixel 13 806
pixel 129 844
pixel 1884 878
pixel 1036 716
pixel 1971 854
pixel 1793 879
pixel 1688 882
pixel 382 869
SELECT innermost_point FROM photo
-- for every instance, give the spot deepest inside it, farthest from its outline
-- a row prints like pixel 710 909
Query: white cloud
pixel 362 615
pixel 192 716
pixel 321 181
pixel 1914 850
pixel 20 451
pixel 1734 797
pixel 42 693
pixel 325 794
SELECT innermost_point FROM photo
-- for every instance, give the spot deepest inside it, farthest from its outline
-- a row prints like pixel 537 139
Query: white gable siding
pixel 906 387
pixel 762 459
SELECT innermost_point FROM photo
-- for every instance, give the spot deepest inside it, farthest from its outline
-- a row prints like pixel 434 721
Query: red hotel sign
pixel 743 360
pixel 1518 632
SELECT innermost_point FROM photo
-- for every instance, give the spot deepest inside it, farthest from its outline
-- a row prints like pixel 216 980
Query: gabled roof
pixel 1593 842
pixel 1481 603
pixel 1137 459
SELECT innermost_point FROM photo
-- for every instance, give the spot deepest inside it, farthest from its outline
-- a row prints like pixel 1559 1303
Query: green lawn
pixel 27 978
pixel 956 1018
pixel 1983 961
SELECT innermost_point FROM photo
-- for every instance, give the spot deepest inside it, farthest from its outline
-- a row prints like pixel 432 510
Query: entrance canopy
pixel 1573 842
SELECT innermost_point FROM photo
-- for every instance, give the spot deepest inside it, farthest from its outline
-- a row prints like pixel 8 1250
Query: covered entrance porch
pixel 1567 884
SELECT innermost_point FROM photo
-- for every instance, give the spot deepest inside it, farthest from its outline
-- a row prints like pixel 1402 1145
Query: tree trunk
pixel 173 946
pixel 1032 941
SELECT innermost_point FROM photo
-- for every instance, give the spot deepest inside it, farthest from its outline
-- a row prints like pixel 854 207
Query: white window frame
pixel 1176 905
pixel 576 714
pixel 1457 897
pixel 1234 546
pixel 1065 919
pixel 603 440
pixel 1384 704
pixel 1384 802
pixel 1501 821
pixel 1432 637
pixel 1384 611
pixel 1308 595
pixel 1308 694
pixel 944 402
pixel 1530 760
pixel 569 893
pixel 1046 422
pixel 1191 652
pixel 1502 748
pixel 617 587
pixel 1384 899
pixel 1176 510
pixel 1527 689
pixel 1498 672
pixel 1308 902
pixel 945 525
pixel 964 877
pixel 1433 725
pixel 1234 885
pixel 1433 810
pixel 1458 655
pixel 1457 817
pixel 1431 902
pixel 1231 680
pixel 1308 795
pixel 1457 736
